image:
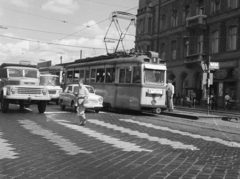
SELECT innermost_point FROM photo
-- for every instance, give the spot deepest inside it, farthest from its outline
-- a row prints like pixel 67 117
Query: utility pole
pixel 80 54
pixel 208 84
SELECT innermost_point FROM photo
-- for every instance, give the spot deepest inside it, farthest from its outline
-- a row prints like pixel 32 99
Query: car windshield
pixel 29 73
pixel 49 80
pixel 90 89
pixel 154 76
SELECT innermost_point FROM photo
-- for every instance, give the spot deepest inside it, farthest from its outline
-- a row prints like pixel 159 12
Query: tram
pixel 130 81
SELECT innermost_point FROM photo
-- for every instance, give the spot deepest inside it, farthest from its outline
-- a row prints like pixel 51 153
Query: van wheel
pixel 74 109
pixel 42 106
pixel 4 105
pixel 62 106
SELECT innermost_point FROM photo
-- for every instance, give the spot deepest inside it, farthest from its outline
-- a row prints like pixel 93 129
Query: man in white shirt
pixel 170 93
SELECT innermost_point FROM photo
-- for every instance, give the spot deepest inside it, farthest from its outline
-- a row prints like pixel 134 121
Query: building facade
pixel 187 33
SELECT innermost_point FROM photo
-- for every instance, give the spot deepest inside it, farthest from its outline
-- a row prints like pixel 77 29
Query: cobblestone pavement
pixel 113 145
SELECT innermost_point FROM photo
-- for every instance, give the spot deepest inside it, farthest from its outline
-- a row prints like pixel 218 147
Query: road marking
pixel 126 146
pixel 64 144
pixel 5 150
pixel 163 141
pixel 206 138
pixel 57 112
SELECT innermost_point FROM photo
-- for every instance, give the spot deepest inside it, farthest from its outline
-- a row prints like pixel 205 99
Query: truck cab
pixel 20 84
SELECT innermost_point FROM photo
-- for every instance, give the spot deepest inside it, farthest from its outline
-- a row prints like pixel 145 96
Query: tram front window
pixel 154 76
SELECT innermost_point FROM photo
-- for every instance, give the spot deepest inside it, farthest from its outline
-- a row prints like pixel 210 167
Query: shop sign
pixel 228 64
pixel 214 66
pixel 220 74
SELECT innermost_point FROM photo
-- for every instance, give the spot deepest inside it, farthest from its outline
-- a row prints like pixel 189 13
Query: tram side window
pixel 81 75
pixel 110 75
pixel 128 76
pixel 93 75
pixel 76 76
pixel 100 75
pixel 137 74
pixel 69 76
pixel 122 76
pixel 87 76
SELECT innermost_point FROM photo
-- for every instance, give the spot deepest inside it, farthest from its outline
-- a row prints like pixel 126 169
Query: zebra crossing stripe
pixel 196 136
pixel 64 144
pixel 125 146
pixel 5 150
pixel 163 141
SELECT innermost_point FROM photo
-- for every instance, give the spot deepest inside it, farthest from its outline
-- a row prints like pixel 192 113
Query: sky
pixel 45 30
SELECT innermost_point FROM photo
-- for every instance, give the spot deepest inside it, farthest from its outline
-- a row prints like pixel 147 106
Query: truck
pixel 20 84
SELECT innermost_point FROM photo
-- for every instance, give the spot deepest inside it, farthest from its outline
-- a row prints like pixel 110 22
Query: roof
pixel 17 65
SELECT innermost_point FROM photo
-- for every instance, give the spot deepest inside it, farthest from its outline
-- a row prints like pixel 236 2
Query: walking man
pixel 82 96
pixel 170 93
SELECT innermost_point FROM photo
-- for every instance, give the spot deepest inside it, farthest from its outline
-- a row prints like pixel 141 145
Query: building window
pixel 163 22
pixel 200 7
pixel 174 19
pixel 215 6
pixel 186 12
pixel 232 38
pixel 149 25
pixel 232 4
pixel 173 49
pixel 140 27
pixel 186 48
pixel 215 41
pixel 200 44
pixel 162 51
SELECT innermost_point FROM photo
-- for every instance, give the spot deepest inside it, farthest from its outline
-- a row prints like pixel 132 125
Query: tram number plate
pixel 155 91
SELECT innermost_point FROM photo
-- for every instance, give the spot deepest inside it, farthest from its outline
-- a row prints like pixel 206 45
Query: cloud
pixel 21 3
pixel 61 6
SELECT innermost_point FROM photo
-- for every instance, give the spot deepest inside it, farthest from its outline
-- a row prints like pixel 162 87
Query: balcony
pixel 194 60
pixel 198 21
pixel 144 10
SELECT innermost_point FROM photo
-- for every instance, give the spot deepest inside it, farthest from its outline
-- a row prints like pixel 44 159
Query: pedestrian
pixel 170 93
pixel 81 99
pixel 213 103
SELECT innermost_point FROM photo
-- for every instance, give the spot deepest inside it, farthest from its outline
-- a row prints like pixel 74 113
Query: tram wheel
pixel 158 110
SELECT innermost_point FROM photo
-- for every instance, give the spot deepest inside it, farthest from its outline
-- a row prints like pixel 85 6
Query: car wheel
pixel 4 105
pixel 42 106
pixel 62 106
pixel 74 109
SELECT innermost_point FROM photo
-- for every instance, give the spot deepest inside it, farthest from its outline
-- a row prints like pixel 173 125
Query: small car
pixel 69 98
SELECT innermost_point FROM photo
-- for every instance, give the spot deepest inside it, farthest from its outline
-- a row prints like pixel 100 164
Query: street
pixel 114 145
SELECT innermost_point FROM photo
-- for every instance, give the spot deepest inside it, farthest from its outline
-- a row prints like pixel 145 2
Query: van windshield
pixel 29 73
pixel 49 80
pixel 154 76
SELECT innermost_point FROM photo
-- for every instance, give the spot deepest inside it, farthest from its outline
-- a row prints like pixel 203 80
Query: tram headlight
pixel 153 102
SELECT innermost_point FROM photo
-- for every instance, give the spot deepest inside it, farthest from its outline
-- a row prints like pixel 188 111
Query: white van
pixel 51 82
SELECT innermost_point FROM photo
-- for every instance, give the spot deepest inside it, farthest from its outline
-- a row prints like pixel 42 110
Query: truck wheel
pixel 27 105
pixel 42 106
pixel 97 110
pixel 57 103
pixel 21 106
pixel 62 106
pixel 4 105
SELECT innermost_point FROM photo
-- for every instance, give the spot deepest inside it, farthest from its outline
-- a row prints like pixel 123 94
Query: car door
pixel 63 96
pixel 69 95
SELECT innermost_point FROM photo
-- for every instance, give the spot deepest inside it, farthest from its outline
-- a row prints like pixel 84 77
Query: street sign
pixel 214 65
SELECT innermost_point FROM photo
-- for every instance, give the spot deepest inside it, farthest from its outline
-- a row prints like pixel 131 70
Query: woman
pixel 82 96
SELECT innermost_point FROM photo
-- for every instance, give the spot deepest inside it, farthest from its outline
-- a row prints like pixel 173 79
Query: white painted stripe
pixel 64 144
pixel 5 150
pixel 206 138
pixel 56 112
pixel 126 146
pixel 163 141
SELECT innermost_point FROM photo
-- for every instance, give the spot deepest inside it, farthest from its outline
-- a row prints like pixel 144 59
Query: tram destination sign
pixel 214 65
